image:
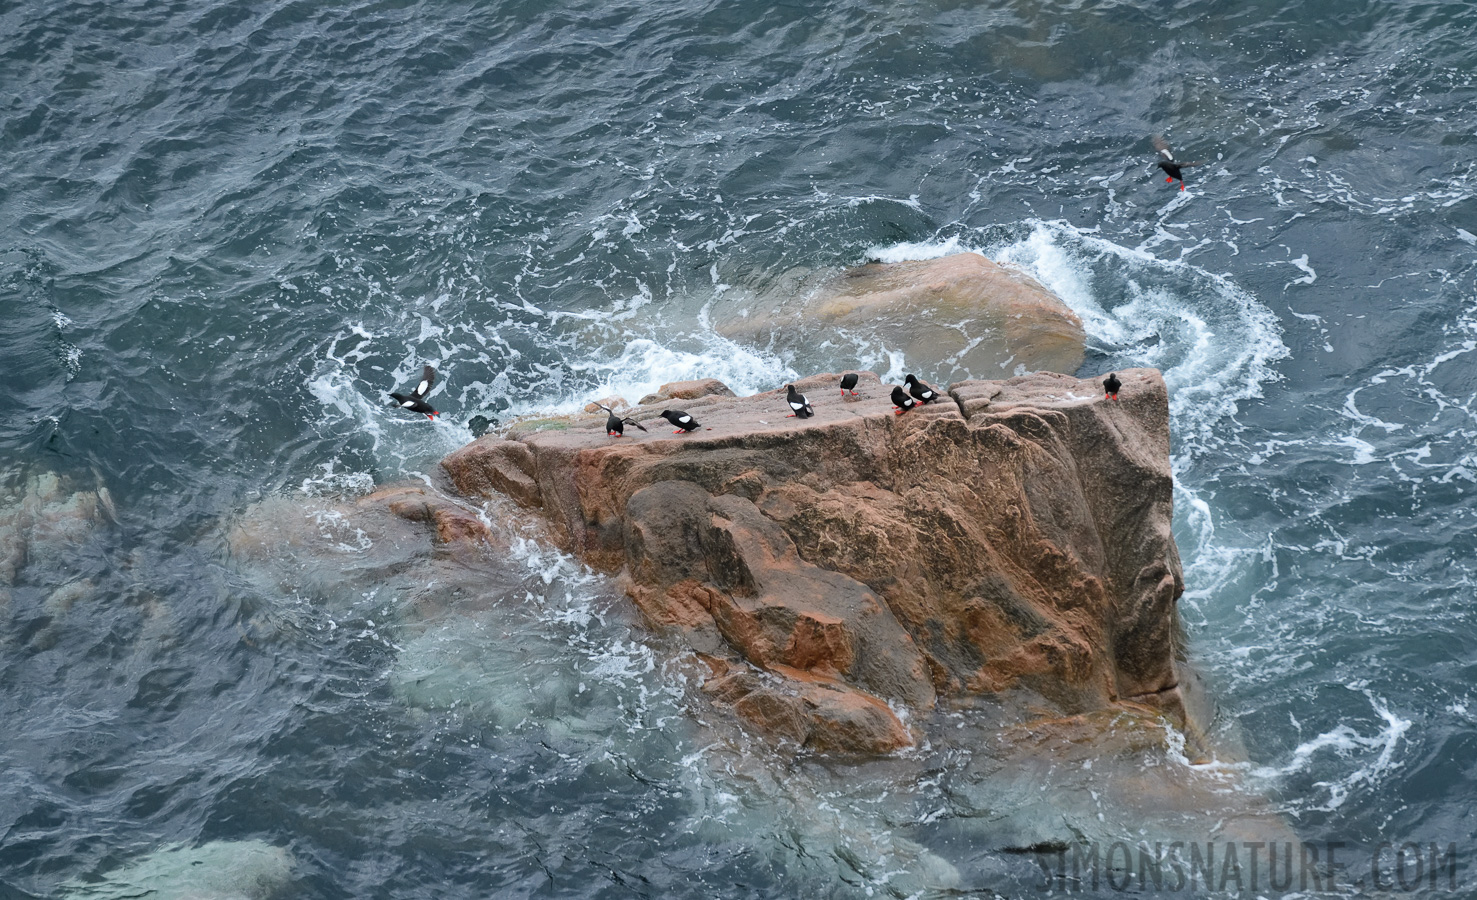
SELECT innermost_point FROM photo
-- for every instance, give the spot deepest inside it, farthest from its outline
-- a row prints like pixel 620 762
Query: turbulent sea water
pixel 227 230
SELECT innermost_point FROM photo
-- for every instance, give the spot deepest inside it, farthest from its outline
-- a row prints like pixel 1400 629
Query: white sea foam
pixel 644 364
pixel 1214 342
pixel 902 252
pixel 1376 755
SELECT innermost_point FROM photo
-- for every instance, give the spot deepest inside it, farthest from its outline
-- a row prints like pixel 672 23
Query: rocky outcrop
pixel 846 572
pixel 959 313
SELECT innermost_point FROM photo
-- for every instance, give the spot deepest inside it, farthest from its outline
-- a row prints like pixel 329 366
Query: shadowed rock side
pixel 1014 537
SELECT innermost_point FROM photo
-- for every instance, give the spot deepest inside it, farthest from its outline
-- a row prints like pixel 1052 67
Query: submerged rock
pixel 1013 538
pixel 43 519
pixel 46 522
pixel 219 870
pixel 408 539
pixel 960 313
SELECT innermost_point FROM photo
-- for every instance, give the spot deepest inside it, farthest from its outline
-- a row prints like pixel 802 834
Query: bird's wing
pixel 428 378
pixel 1162 146
pixel 630 421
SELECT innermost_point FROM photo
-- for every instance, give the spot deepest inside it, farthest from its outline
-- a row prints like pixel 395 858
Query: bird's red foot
pixel 1168 180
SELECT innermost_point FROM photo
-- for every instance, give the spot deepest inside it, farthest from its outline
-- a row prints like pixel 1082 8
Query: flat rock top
pixel 726 418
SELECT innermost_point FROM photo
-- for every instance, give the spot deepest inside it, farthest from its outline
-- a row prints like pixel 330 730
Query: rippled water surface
pixel 227 230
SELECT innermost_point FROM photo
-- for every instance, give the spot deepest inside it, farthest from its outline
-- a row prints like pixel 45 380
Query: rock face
pixel 846 572
pixel 959 313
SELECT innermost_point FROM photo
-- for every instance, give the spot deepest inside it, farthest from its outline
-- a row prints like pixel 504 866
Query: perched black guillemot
pixel 682 420
pixel 415 401
pixel 901 400
pixel 848 384
pixel 1111 384
pixel 1168 164
pixel 921 391
pixel 615 426
pixel 799 406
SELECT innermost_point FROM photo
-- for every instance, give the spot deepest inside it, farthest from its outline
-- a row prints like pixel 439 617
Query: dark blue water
pixel 227 230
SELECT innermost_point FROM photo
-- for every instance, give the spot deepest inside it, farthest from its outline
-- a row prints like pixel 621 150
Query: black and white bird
pixel 901 400
pixel 615 426
pixel 1111 384
pixel 682 420
pixel 848 384
pixel 920 391
pixel 415 401
pixel 1169 164
pixel 799 406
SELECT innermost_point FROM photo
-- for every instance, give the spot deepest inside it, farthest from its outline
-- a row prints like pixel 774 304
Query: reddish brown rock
pixel 688 390
pixel 956 313
pixel 1013 538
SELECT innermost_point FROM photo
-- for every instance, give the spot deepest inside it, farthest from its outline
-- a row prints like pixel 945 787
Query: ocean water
pixel 228 230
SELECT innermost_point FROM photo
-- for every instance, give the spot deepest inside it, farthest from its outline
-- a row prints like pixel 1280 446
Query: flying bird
pixel 615 426
pixel 682 420
pixel 848 384
pixel 415 401
pixel 920 391
pixel 1111 384
pixel 799 406
pixel 901 400
pixel 1169 164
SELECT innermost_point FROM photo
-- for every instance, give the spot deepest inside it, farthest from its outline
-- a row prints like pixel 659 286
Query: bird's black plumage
pixel 1111 384
pixel 848 383
pixel 415 401
pixel 799 406
pixel 682 420
pixel 921 391
pixel 901 400
pixel 615 425
pixel 1171 167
